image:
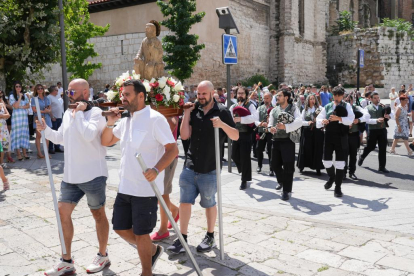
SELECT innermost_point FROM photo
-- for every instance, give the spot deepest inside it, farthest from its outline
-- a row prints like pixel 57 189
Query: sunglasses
pixel 70 92
pixel 18 86
pixel 40 88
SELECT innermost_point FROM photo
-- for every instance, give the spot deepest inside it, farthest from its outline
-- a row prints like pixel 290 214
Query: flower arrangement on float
pixel 163 94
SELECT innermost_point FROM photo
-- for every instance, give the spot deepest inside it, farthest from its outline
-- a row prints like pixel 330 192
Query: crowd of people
pixel 328 125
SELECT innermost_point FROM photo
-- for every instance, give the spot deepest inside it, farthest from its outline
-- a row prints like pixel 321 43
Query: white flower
pixel 162 82
pixel 166 91
pixel 176 98
pixel 147 86
pixel 135 76
pixel 152 80
pixel 168 97
pixel 178 86
pixel 111 95
pixel 125 75
pixel 119 82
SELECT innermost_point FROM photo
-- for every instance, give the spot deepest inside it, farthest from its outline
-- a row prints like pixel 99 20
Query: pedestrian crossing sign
pixel 229 49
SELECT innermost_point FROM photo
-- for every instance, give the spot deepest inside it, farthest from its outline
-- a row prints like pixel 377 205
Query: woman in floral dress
pixel 4 132
pixel 402 128
pixel 20 123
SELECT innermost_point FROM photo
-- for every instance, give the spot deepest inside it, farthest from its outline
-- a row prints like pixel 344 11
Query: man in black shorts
pixel 147 132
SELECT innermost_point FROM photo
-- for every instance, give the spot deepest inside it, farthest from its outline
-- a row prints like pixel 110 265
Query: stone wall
pixel 269 43
pixel 389 58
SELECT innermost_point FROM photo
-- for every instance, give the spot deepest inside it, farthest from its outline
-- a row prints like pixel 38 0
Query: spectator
pixel 106 88
pixel 367 100
pixel 402 127
pixel 45 110
pixel 232 97
pixel 90 92
pixel 30 116
pixel 325 96
pixel 192 95
pixel 393 96
pixel 220 93
pixel 56 115
pixel 60 89
pixel 4 132
pixel 20 123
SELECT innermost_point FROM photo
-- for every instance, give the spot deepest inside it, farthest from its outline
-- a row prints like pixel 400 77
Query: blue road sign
pixel 229 49
pixel 361 58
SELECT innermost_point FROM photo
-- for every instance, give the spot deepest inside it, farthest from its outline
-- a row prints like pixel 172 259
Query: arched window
pixel 301 17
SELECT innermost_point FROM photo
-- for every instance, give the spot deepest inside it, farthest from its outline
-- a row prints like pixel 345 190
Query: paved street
pixel 370 231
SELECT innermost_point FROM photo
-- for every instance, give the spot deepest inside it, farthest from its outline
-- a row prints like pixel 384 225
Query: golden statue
pixel 148 62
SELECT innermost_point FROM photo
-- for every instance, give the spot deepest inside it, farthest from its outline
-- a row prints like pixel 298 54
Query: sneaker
pixel 177 247
pixel 157 255
pixel 206 245
pixel 98 264
pixel 62 268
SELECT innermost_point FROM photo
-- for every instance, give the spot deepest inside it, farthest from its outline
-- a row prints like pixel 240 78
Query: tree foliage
pixel 28 37
pixel 78 30
pixel 255 79
pixel 344 23
pixel 182 50
pixel 401 24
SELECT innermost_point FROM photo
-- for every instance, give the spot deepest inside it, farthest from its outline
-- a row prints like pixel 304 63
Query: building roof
pixel 105 5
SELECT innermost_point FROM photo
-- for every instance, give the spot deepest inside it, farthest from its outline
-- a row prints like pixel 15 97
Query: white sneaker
pixel 98 264
pixel 61 269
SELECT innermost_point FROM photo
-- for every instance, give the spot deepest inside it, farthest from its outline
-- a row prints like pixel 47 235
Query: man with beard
pixel 377 133
pixel 283 149
pixel 85 173
pixel 241 149
pixel 199 173
pixel 336 137
pixel 262 124
pixel 146 132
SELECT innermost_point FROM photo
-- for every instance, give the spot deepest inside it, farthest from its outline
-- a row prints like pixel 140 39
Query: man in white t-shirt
pixel 146 132
pixel 60 89
pixel 56 116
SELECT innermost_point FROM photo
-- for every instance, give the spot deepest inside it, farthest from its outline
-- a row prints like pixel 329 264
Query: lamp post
pixel 227 23
pixel 63 55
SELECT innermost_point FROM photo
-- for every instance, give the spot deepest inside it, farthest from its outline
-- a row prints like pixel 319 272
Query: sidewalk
pixel 370 231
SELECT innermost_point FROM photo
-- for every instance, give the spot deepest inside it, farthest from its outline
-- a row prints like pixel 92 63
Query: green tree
pixel 29 38
pixel 401 24
pixel 78 30
pixel 344 23
pixel 255 79
pixel 182 50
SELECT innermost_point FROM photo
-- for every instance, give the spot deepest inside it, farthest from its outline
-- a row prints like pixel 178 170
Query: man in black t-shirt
pixel 199 173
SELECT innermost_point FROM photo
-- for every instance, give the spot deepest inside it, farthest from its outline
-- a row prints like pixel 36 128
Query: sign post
pixel 360 64
pixel 229 57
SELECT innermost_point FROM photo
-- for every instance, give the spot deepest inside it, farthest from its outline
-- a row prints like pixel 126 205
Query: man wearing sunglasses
pixel 85 173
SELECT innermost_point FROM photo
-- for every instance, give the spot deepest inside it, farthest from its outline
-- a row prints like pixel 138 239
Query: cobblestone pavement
pixel 370 231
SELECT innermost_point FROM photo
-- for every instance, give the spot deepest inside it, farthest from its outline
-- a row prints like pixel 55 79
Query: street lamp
pixel 227 23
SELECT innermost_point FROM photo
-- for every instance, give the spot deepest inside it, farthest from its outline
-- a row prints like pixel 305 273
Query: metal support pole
pixel 229 104
pixel 171 219
pixel 358 69
pixel 218 176
pixel 52 184
pixel 63 55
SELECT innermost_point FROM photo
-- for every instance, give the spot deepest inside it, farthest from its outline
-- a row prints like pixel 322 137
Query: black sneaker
pixel 157 255
pixel 206 245
pixel 177 247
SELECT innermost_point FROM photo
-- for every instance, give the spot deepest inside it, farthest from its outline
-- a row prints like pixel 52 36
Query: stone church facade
pixel 284 40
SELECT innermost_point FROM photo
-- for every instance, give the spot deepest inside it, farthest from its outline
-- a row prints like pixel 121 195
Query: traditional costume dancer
pixel 265 137
pixel 241 149
pixel 283 148
pixel 377 132
pixel 311 140
pixel 336 117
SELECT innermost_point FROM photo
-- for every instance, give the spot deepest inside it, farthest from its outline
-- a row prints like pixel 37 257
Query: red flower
pixel 170 83
pixel 181 93
pixel 130 78
pixel 181 102
pixel 121 89
pixel 159 97
pixel 154 85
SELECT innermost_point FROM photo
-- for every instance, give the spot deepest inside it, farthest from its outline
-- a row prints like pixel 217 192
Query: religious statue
pixel 148 62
